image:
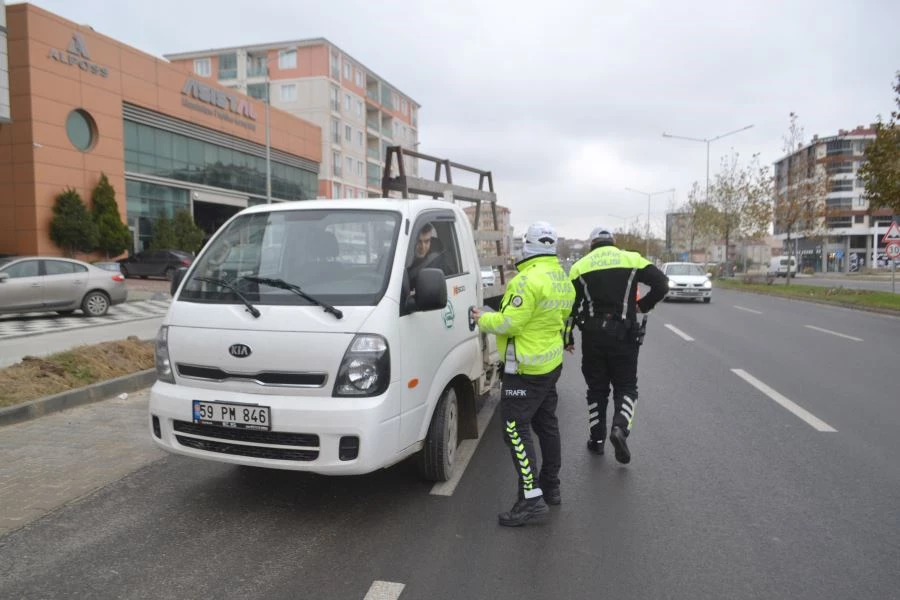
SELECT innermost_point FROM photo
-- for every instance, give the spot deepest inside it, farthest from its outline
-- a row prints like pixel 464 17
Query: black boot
pixel 595 446
pixel 617 438
pixel 552 496
pixel 523 511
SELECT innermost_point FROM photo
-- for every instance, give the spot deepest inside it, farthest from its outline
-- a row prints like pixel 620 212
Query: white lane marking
pixel 466 449
pixel 812 420
pixel 849 337
pixel 750 310
pixel 679 333
pixel 384 590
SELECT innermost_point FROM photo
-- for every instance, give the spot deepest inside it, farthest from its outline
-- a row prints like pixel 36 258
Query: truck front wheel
pixel 437 457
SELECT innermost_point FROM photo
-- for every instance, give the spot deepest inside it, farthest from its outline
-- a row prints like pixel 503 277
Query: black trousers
pixel 607 360
pixel 529 402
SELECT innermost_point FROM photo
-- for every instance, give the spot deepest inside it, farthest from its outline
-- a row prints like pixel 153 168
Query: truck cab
pixel 301 339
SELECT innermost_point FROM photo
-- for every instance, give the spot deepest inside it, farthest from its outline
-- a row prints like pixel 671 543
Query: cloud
pixel 566 103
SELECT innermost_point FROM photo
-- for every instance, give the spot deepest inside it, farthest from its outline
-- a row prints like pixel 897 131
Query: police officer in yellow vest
pixel 529 327
pixel 606 307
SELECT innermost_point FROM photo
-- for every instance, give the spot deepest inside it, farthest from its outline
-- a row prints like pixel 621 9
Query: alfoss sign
pixel 77 55
pixel 232 108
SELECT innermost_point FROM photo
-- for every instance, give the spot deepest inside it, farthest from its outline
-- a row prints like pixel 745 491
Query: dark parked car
pixel 155 263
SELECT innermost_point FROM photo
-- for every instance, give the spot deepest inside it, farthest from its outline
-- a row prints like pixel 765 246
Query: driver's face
pixel 423 245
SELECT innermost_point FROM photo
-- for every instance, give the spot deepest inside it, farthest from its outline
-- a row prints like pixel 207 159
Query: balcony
pixel 228 73
pixel 373 153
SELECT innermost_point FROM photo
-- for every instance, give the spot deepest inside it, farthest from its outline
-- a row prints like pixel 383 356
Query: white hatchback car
pixel 688 281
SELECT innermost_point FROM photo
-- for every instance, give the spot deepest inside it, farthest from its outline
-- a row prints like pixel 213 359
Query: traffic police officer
pixel 606 306
pixel 529 328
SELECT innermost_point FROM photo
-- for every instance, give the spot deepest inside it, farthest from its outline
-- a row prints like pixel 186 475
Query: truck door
pixel 428 338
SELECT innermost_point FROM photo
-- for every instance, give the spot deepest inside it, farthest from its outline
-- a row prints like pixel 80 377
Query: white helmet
pixel 540 239
pixel 602 235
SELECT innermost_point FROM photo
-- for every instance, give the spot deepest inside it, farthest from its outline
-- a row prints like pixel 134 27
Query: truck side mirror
pixel 431 290
pixel 177 276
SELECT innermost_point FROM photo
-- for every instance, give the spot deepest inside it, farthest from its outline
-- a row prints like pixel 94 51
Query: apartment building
pixel 360 113
pixel 4 68
pixel 850 237
pixel 486 223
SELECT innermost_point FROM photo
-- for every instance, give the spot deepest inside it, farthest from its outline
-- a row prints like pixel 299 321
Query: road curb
pixel 78 397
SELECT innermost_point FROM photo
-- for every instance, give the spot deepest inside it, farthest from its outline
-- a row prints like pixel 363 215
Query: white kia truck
pixel 323 336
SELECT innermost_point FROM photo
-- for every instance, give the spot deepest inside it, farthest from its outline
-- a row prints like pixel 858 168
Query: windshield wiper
pixel 284 285
pixel 250 308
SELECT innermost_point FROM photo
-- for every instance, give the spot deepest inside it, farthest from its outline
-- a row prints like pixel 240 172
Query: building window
pixel 858 219
pixel 152 151
pixel 839 147
pixel 404 106
pixel 359 108
pixel 81 129
pixel 360 139
pixel 228 66
pixel 289 92
pixel 860 183
pixel 287 59
pixel 348 133
pixel 335 99
pixel 335 131
pixel 202 67
pixel 348 68
pixel 838 222
pixel 841 185
pixel 860 201
pixel 335 65
pixel 359 168
pixel 257 90
pixel 359 78
pixel 347 102
pixel 336 163
pixel 349 166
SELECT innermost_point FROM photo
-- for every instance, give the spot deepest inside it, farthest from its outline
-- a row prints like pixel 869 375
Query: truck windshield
pixel 340 257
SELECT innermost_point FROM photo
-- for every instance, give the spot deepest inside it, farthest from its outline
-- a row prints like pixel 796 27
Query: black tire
pixel 707 300
pixel 438 457
pixel 95 304
pixel 64 313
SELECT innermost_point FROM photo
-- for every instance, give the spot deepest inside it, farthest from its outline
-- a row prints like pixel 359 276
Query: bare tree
pixel 801 188
pixel 740 201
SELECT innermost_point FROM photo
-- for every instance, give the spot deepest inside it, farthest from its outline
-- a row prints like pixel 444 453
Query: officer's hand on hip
pixel 570 349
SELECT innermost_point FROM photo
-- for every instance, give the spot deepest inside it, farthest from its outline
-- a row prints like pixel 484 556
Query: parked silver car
pixel 62 285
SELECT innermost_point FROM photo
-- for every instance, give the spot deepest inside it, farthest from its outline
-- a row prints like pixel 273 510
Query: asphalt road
pixel 729 495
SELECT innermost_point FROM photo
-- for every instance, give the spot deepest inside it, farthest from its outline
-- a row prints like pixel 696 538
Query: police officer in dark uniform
pixel 605 310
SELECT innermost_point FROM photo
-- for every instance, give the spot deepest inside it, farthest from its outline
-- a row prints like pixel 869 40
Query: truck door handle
pixel 472 322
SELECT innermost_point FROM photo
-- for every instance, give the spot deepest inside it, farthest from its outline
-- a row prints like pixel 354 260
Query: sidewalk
pixel 51 461
pixel 147 289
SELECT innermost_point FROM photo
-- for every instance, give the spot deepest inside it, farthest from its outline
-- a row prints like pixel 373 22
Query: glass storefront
pixel 153 151
pixel 146 202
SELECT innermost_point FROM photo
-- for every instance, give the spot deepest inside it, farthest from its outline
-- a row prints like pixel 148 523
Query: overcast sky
pixel 567 104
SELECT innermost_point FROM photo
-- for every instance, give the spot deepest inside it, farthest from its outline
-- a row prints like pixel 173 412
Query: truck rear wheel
pixel 438 456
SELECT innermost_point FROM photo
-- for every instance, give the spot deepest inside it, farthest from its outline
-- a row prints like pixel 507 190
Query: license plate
pixel 226 414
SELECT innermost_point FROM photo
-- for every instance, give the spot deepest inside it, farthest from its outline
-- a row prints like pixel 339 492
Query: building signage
pixel 77 55
pixel 232 108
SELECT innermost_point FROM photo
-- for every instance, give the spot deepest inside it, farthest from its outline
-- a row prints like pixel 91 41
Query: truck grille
pixel 247 435
pixel 252 451
pixel 269 378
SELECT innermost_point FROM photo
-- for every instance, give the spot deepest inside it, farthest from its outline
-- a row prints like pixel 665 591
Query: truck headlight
pixel 366 368
pixel 672 283
pixel 163 364
pixel 707 284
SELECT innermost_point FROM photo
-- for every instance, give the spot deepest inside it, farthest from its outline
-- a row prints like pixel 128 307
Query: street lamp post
pixel 706 141
pixel 649 195
pixel 268 137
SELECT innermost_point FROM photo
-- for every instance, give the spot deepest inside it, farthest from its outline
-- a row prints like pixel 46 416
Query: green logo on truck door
pixel 449 315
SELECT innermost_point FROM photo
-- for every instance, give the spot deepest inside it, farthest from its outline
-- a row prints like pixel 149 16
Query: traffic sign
pixel 893 250
pixel 893 233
